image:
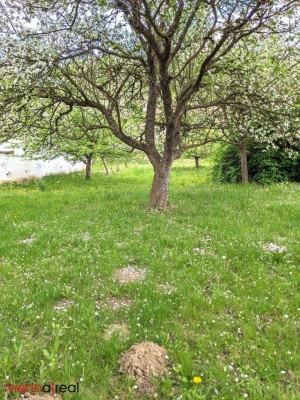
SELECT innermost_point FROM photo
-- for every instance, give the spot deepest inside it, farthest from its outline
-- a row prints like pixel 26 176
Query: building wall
pixel 15 167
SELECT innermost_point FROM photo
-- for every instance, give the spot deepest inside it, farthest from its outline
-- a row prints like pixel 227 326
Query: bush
pixel 265 166
pixel 227 164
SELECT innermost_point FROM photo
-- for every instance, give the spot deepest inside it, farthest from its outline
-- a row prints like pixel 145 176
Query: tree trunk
pixel 88 167
pixel 118 166
pixel 197 161
pixel 160 187
pixel 244 163
pixel 126 165
pixel 105 166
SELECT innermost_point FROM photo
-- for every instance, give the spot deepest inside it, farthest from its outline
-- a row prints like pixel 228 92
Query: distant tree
pixel 78 136
pixel 199 153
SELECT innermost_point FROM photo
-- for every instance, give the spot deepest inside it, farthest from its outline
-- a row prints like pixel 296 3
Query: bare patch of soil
pixel 120 244
pixel 202 251
pixel 120 330
pixel 142 362
pixel 63 305
pixel 166 288
pixel 41 396
pixel 116 303
pixel 199 250
pixel 130 274
pixel 138 230
pixel 27 241
pixel 274 248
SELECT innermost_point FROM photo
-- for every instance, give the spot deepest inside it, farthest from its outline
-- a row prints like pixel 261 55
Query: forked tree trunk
pixel 105 165
pixel 244 163
pixel 197 161
pixel 88 167
pixel 160 187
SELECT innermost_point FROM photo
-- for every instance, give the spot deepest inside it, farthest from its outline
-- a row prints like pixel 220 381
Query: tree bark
pixel 88 167
pixel 105 165
pixel 197 161
pixel 244 164
pixel 160 187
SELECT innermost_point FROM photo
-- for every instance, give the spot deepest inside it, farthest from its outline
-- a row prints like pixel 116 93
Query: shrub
pixel 265 165
pixel 227 165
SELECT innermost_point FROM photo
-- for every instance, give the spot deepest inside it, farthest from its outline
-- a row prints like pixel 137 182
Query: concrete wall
pixel 14 167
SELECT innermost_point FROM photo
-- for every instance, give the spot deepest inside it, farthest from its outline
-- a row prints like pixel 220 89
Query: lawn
pixel 223 307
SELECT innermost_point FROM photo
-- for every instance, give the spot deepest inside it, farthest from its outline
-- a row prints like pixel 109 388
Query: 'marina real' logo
pixel 52 388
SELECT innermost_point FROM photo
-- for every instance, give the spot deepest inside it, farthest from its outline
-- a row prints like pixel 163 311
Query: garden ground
pixel 210 289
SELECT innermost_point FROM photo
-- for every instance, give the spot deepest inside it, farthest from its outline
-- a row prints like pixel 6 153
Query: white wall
pixel 14 167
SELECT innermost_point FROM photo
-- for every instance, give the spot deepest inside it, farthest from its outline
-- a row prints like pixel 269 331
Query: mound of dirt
pixel 144 361
pixel 130 274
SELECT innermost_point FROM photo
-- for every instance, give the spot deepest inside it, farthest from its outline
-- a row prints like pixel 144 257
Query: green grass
pixel 232 319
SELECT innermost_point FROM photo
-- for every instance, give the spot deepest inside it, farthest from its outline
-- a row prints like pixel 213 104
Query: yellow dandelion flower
pixel 197 379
